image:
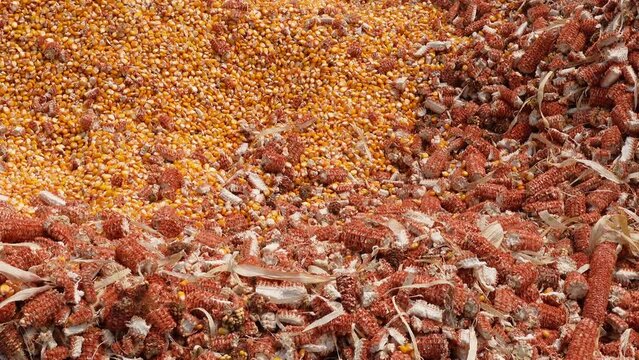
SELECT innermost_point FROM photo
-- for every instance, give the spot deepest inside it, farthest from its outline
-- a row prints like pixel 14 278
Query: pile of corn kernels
pixel 294 180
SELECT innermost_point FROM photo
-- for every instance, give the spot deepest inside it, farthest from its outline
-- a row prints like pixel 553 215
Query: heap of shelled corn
pixel 504 229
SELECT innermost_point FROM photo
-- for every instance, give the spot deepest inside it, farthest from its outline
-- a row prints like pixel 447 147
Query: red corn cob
pixel 536 52
pixel 552 206
pixel 18 229
pixel 41 309
pixel 366 322
pixel 359 236
pixel 616 323
pixel 603 196
pixel 511 199
pixel 584 340
pixel 349 291
pixel 435 164
pixel 575 205
pixel 434 346
pixel 11 345
pixel 551 317
pixel 575 285
pixel 550 178
pixel 523 240
pixel 486 251
pixel 131 254
pixel 506 300
pixel 161 320
pixel 602 265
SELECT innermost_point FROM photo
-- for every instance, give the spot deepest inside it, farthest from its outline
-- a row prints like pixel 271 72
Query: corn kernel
pixel 406 348
pixel 6 290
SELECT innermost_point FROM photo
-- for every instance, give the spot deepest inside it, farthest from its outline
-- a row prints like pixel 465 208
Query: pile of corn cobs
pixel 513 239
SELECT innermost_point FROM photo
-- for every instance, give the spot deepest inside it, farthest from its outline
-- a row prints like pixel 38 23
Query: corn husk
pixel 401 235
pixel 18 275
pixel 257 182
pixel 325 319
pixel 551 221
pixel 420 218
pixel 247 270
pixel 413 339
pixel 624 341
pixel 434 106
pixel 493 311
pixel 31 246
pixel 282 294
pixel 540 94
pixel 472 344
pixel 602 171
pixel 51 199
pixel 178 275
pixel 228 196
pixel 169 261
pixel 421 286
pixel 615 228
pixel 631 214
pixel 583 268
pixel 145 227
pixel 24 295
pixel 494 233
pixel 112 279
pixel 534 258
pixel 362 144
pixel 272 131
pixel 211 323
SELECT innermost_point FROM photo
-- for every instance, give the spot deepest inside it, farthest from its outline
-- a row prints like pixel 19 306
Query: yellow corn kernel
pixel 406 348
pixel 222 331
pixel 6 290
pixel 181 295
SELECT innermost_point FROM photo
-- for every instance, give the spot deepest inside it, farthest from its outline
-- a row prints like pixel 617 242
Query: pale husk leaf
pixel 169 261
pixel 551 220
pixel 632 215
pixel 325 319
pixel 247 270
pixel 602 171
pixel 472 345
pixel 413 339
pixel 540 91
pixel 494 232
pixel 533 257
pixel 24 295
pixel 421 286
pixel 13 273
pixel 211 323
pixel 112 279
